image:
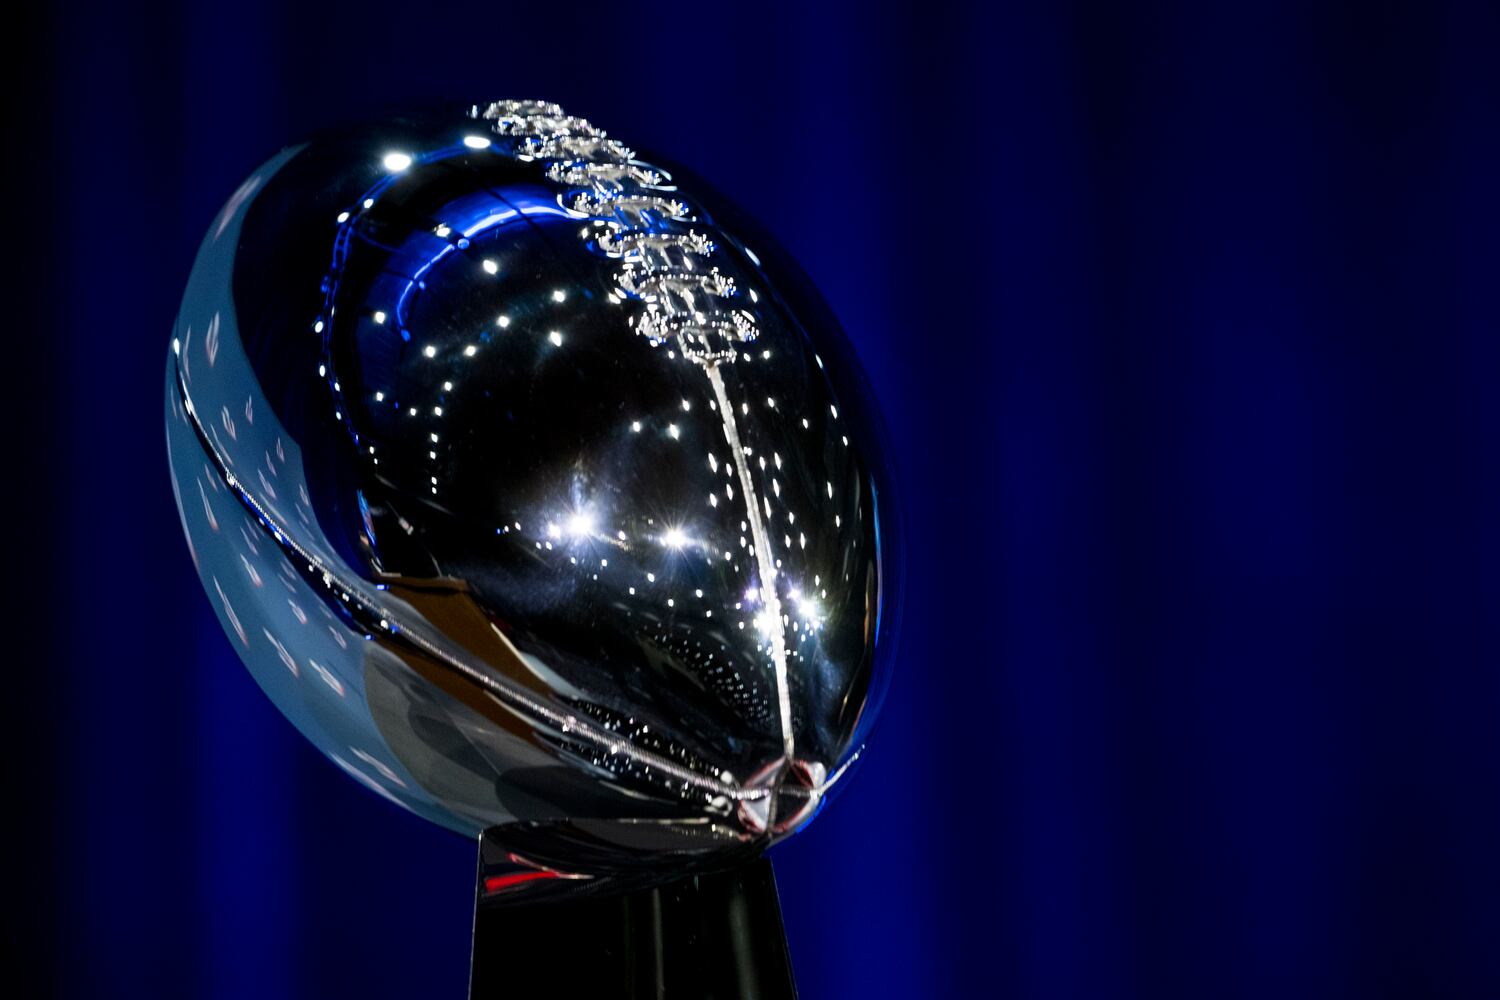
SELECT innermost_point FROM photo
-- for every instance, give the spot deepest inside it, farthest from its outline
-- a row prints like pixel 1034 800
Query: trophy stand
pixel 712 935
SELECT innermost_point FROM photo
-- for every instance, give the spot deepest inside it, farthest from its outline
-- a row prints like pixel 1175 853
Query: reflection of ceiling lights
pixel 395 162
pixel 674 538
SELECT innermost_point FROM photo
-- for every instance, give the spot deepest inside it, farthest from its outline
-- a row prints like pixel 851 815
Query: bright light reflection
pixel 476 142
pixel 397 161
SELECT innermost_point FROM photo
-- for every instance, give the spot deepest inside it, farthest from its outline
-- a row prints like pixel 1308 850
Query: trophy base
pixel 712 935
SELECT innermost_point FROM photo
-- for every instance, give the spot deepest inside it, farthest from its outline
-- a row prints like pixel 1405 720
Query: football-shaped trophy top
pixel 538 488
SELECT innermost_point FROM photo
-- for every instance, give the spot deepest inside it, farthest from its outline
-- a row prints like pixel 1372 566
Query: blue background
pixel 1184 320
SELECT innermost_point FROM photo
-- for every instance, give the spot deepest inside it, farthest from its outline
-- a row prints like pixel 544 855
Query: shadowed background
pixel 1184 322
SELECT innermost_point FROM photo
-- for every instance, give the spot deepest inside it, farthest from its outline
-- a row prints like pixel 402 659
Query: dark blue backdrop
pixel 1185 323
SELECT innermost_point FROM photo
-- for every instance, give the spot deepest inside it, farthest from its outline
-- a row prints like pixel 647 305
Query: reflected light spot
pixel 397 161
pixel 503 322
pixel 429 351
pixel 490 267
pixel 476 142
pixel 555 337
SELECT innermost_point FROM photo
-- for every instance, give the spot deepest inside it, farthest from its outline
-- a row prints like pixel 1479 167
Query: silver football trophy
pixel 540 490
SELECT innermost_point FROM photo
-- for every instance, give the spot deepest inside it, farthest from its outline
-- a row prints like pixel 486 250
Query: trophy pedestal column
pixel 711 935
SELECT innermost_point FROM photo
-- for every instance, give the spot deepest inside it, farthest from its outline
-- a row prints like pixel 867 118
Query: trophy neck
pixel 712 934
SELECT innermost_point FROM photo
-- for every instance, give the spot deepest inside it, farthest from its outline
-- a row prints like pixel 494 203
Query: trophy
pixel 540 490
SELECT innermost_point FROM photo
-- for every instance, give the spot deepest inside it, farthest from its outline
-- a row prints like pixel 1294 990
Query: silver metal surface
pixel 535 486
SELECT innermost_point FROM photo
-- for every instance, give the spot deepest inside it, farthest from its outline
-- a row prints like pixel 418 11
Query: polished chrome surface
pixel 530 491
